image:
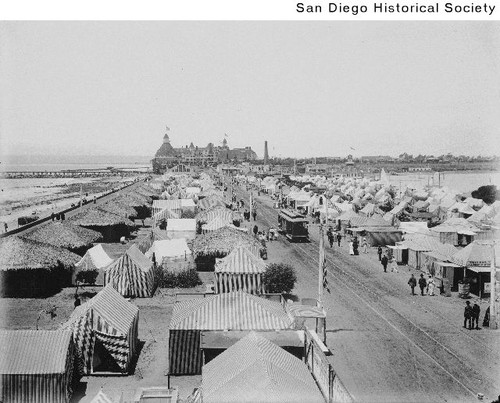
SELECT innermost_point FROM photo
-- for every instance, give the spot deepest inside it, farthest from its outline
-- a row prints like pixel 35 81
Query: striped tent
pixel 172 205
pixel 215 212
pixel 215 224
pixel 36 366
pixel 255 369
pixel 105 332
pixel 211 201
pixel 132 275
pixel 231 311
pixel 240 270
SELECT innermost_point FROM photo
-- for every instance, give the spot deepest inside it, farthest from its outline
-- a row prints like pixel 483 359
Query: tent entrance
pixel 102 361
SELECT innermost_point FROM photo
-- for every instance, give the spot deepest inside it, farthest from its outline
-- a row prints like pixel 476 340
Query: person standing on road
pixel 339 238
pixel 476 311
pixel 365 245
pixel 393 265
pixel 384 262
pixel 254 214
pixel 351 248
pixel 255 230
pixel 468 315
pixel 412 282
pixel 329 234
pixel 379 251
pixel 430 286
pixel 422 283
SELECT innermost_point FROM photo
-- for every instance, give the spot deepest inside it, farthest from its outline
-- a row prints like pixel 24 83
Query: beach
pixel 41 196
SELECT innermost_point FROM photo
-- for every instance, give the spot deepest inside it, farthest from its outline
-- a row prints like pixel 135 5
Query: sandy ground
pixel 23 197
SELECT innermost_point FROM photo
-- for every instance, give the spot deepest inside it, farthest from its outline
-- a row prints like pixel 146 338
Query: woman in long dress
pixel 351 248
pixel 430 286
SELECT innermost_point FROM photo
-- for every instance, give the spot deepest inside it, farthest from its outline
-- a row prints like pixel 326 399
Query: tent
pixel 172 254
pixel 229 311
pixel 240 270
pixel 132 275
pixel 256 370
pixel 181 228
pixel 215 224
pixel 105 332
pixel 36 366
pixel 169 248
pixel 382 236
pixel 96 259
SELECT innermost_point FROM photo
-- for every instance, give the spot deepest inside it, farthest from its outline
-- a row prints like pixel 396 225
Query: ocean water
pixel 460 182
pixel 18 163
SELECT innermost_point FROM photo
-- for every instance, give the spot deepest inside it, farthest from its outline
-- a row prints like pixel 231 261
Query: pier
pixel 73 173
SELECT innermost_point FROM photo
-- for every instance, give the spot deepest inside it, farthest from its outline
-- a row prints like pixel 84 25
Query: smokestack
pixel 266 154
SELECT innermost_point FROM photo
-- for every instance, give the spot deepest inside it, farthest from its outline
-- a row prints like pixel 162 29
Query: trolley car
pixel 293 225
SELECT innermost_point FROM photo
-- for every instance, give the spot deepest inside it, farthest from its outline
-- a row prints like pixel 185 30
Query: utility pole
pixel 320 263
pixel 493 296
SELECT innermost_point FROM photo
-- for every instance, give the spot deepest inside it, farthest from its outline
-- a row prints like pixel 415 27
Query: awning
pixel 223 339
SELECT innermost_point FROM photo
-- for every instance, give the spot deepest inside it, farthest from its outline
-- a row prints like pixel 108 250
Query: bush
pixel 279 278
pixel 183 279
pixel 87 276
pixel 488 194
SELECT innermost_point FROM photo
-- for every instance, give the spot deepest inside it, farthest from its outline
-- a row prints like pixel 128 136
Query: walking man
pixel 254 214
pixel 329 234
pixel 422 283
pixel 468 315
pixel 384 262
pixel 476 310
pixel 339 238
pixel 379 251
pixel 412 282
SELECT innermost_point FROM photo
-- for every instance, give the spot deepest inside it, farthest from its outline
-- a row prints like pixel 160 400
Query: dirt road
pixel 390 346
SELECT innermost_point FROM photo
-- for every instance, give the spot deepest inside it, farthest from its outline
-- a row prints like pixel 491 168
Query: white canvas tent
pixel 96 258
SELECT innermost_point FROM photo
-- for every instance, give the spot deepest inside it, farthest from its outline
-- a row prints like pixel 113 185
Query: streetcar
pixel 293 225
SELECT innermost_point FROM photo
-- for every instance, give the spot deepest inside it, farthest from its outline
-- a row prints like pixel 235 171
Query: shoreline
pixel 22 200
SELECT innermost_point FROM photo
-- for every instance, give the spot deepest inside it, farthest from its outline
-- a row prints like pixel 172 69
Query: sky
pixel 319 88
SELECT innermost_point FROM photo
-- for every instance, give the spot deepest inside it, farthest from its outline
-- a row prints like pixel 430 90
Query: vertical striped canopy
pixel 132 275
pixel 256 370
pixel 240 260
pixel 231 311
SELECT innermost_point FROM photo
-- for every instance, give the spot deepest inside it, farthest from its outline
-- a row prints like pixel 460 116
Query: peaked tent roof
pixel 110 306
pixel 254 360
pixel 229 311
pixel 240 260
pixel 136 256
pixel 97 256
pixel 33 351
pixel 474 254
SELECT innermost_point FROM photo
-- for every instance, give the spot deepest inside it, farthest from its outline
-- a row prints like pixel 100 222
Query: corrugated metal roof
pixel 241 260
pixel 33 351
pixel 254 360
pixel 229 311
